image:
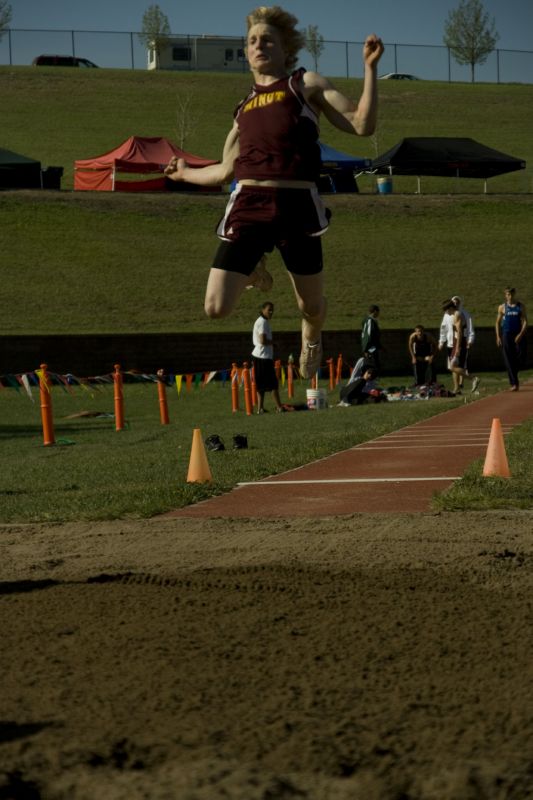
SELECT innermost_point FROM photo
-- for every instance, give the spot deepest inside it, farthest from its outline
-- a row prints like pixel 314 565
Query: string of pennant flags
pixel 24 381
pixel 238 376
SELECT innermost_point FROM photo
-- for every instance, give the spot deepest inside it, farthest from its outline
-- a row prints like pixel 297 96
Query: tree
pixel 5 16
pixel 469 33
pixel 314 43
pixel 186 117
pixel 155 30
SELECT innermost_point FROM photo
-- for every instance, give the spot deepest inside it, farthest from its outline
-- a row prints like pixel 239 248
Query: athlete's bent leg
pixel 223 292
pixel 309 293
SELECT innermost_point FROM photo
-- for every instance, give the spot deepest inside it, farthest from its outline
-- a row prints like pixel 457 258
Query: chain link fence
pixel 125 50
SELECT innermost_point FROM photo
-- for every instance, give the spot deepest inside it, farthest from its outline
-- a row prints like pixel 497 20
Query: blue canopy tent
pixel 338 170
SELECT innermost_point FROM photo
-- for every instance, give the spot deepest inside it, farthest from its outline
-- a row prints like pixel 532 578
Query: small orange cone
pixel 496 463
pixel 199 471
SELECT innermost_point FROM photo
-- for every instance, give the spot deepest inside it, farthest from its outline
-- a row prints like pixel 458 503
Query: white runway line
pixel 429 439
pixel 430 435
pixel 399 446
pixel 350 480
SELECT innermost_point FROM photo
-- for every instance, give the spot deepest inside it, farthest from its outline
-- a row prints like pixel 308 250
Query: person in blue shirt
pixel 511 327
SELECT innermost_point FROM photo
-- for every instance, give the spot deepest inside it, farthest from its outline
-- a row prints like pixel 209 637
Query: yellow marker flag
pixel 42 379
pixel 179 379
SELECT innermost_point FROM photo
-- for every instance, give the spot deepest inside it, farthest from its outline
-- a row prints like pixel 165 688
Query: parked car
pixel 62 61
pixel 398 76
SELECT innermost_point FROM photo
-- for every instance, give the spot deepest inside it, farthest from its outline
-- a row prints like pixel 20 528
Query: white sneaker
pixel 261 278
pixel 310 358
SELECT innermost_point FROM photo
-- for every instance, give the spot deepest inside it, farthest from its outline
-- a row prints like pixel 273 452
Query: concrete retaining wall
pixel 95 354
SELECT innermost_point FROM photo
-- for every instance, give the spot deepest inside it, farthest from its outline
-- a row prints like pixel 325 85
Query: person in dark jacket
pixel 371 337
pixel 423 349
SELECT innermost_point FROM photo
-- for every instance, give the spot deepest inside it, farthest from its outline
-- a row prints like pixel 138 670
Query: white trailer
pixel 215 53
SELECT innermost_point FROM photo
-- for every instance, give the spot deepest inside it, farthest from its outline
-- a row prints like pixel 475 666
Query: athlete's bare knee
pixel 214 309
pixel 312 310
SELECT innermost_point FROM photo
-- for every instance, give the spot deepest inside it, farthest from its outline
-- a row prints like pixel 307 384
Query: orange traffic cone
pixel 496 463
pixel 199 471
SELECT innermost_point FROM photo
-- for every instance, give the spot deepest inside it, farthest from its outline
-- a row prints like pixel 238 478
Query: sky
pixel 416 22
pixel 402 21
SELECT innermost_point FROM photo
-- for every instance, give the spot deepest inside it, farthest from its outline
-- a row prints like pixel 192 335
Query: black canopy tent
pixel 19 172
pixel 445 157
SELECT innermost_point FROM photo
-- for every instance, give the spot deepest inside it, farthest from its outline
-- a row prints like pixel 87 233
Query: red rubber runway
pixel 398 472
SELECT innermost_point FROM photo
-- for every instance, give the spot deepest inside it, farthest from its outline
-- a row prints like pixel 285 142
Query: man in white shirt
pixel 447 329
pixel 263 359
pixel 459 353
pixel 470 332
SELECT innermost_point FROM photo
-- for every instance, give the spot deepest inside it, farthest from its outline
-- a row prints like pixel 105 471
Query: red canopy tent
pixel 137 155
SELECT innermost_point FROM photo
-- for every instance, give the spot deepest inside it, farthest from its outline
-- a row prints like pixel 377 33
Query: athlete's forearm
pixel 365 118
pixel 213 175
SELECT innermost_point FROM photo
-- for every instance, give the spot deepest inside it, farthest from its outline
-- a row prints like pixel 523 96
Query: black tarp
pixel 19 172
pixel 445 157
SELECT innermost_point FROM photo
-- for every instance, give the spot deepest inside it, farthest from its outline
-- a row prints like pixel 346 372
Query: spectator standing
pixel 263 359
pixel 511 327
pixel 446 336
pixel 371 337
pixel 458 355
pixel 422 349
pixel 470 332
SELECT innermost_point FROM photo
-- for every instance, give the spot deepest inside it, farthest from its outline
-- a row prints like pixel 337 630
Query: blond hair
pixel 293 40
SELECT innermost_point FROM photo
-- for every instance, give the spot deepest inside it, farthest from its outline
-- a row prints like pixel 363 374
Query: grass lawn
pixel 102 262
pixel 82 113
pixel 94 472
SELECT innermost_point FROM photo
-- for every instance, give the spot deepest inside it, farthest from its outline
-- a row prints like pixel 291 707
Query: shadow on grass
pixel 8 431
pixel 26 431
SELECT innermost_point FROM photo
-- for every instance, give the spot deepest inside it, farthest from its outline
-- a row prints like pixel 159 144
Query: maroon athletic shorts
pixel 257 219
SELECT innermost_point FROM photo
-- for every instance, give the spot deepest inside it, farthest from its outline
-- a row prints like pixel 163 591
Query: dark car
pixel 62 61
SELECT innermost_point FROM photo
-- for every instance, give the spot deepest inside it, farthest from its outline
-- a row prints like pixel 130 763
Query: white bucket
pixel 316 399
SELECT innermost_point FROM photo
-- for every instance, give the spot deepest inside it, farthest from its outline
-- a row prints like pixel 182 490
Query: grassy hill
pixel 59 115
pixel 96 262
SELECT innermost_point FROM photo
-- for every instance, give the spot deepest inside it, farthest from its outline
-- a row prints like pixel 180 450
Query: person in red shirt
pixel 273 152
